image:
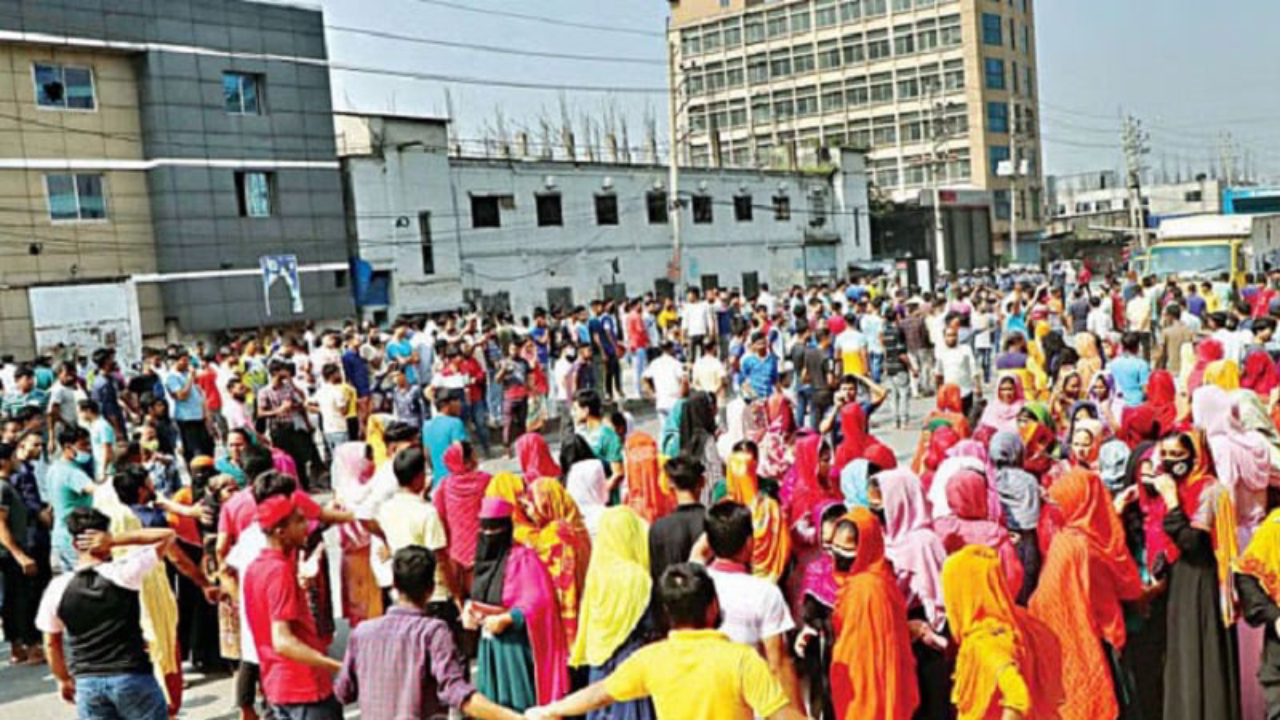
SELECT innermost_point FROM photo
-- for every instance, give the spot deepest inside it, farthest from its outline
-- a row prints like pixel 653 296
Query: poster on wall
pixel 281 268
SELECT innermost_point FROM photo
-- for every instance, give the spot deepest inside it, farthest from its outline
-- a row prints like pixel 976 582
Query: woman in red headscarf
pixel 942 440
pixel 1260 374
pixel 535 458
pixel 853 432
pixel 949 413
pixel 1162 398
pixel 809 482
pixel 1086 575
pixel 971 524
pixel 873 672
pixel 1207 352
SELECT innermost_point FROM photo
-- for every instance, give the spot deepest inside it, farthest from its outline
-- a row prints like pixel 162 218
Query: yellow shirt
pixel 408 519
pixel 699 674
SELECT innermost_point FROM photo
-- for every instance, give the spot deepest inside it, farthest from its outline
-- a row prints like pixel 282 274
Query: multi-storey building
pixel 164 147
pixel 938 91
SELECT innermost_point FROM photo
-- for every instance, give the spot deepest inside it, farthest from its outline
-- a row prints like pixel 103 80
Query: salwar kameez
pixel 505 666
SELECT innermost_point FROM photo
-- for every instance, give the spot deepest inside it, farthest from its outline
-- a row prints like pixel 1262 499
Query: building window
pixel 255 190
pixel 702 214
pixel 999 153
pixel 781 208
pixel 75 197
pixel 242 93
pixel 548 207
pixel 424 239
pixel 998 117
pixel 878 45
pixel 992 30
pixel 1193 196
pixel 742 208
pixel 657 203
pixel 485 212
pixel 606 209
pixel 995 73
pixel 63 87
pixel 1001 198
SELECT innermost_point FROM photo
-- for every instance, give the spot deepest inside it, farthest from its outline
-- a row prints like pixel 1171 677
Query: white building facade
pixel 439 231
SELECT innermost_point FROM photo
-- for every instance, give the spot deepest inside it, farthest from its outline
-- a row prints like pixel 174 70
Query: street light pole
pixel 676 270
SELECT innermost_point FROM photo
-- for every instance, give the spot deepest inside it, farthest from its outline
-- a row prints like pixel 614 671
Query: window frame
pixel 782 208
pixel 987 65
pixel 259 83
pixel 743 211
pixel 703 209
pixel 655 199
pixel 497 211
pixel 992 32
pixel 242 194
pixel 546 214
pixel 426 243
pixel 62 74
pixel 1002 126
pixel 607 215
pixel 75 188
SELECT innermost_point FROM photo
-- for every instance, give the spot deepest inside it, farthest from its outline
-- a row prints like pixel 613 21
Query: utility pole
pixel 1136 147
pixel 676 270
pixel 940 130
pixel 1013 187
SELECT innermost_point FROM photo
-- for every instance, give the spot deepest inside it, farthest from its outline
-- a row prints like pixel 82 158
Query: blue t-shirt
pixel 539 335
pixel 403 350
pixel 356 371
pixel 68 487
pixel 761 373
pixel 1131 374
pixel 1196 305
pixel 438 434
pixel 183 410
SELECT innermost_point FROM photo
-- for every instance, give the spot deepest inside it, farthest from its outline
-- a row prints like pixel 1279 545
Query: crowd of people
pixel 1083 529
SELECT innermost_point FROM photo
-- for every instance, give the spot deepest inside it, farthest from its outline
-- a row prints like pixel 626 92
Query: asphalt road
pixel 29 692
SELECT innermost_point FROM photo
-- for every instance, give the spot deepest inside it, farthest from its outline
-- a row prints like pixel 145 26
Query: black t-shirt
pixel 672 537
pixel 817 366
pixel 895 346
pixel 1079 314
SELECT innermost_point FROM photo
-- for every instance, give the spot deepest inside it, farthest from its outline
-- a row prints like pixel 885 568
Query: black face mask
pixel 844 561
pixel 1179 469
pixel 879 513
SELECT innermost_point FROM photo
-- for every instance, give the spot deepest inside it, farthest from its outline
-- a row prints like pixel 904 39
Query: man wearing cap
pixel 296 674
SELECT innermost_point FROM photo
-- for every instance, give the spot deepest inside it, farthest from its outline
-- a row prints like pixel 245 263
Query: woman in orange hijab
pixel 873 673
pixel 772 541
pixel 950 409
pixel 1007 661
pixel 1086 575
pixel 562 542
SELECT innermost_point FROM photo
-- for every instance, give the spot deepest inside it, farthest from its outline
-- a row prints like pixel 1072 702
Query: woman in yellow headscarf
pixel 510 487
pixel 1006 659
pixel 559 536
pixel 613 621
pixel 1223 373
pixel 772 542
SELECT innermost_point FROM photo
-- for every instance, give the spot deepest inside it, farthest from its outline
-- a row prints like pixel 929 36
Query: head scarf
pixel 854 437
pixel 806 489
pixel 1260 374
pixel 741 480
pixel 940 440
pixel 819 575
pixel 756 421
pixel 1223 373
pixel 735 418
pixel 563 544
pixel 1241 457
pixel 1113 463
pixel 671 429
pixel 970 523
pixel 994 634
pixel 511 487
pixel 872 667
pixel 855 480
pixel 1038 439
pixel 618 587
pixel 1094 430
pixel 1018 489
pixel 1086 574
pixel 649 492
pixel 1001 415
pixel 970 455
pixel 1140 424
pixel 535 457
pixel 772 547
pixel 910 543
pixel 377 427
pixel 951 399
pixel 1254 416
pixel 1261 559
pixel 1162 397
pixel 1207 351
pixel 880 455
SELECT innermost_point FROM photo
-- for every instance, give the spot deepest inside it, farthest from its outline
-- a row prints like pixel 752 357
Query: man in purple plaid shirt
pixel 405 664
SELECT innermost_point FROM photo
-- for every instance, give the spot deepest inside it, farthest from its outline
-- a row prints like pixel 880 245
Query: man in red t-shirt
pixel 637 343
pixel 296 674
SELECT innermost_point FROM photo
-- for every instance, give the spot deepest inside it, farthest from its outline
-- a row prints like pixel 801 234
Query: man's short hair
pixel 272 484
pixel 686 591
pixel 409 465
pixel 685 473
pixel 128 484
pixel 82 520
pixel 413 572
pixel 71 434
pixel 397 432
pixel 589 399
pixel 728 528
pixel 1130 341
pixel 256 460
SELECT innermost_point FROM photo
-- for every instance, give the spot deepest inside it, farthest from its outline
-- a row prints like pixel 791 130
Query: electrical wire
pixel 622 59
pixel 557 22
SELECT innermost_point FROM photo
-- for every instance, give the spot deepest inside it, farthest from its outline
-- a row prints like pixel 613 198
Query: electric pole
pixel 676 270
pixel 941 132
pixel 1013 187
pixel 1136 147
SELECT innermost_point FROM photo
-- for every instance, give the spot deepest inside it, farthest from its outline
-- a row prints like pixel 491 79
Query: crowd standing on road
pixel 1084 529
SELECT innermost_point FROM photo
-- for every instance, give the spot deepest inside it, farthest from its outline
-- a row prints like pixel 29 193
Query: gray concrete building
pixel 435 230
pixel 233 131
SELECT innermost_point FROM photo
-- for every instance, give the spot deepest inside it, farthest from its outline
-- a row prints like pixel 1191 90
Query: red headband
pixel 273 511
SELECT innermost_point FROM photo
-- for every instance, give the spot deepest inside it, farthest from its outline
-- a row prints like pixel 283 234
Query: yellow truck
pixel 1209 246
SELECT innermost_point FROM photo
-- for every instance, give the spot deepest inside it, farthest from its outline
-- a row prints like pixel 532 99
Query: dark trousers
pixel 515 413
pixel 21 598
pixel 613 377
pixel 297 443
pixel 327 709
pixel 195 439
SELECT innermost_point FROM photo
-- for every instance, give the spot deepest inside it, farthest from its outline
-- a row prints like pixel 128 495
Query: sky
pixel 1190 70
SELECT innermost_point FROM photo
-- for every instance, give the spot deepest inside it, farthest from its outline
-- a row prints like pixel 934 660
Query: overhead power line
pixel 496 49
pixel 558 22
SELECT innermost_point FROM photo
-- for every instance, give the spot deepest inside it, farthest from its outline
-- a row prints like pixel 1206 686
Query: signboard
pixel 281 268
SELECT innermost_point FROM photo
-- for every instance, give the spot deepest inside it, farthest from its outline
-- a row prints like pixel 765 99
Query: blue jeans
pixel 984 362
pixel 120 697
pixel 640 358
pixel 804 401
pixel 477 415
pixel 877 366
pixel 327 709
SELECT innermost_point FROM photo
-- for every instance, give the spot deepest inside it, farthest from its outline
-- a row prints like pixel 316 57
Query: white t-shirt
pixel 247 549
pixel 709 374
pixel 333 407
pixel 753 608
pixel 666 373
pixel 695 318
pixel 957 366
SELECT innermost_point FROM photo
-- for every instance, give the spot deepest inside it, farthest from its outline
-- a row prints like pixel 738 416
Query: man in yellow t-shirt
pixel 697 672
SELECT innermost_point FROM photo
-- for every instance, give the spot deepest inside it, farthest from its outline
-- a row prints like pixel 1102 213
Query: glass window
pixel 256 191
pixel 953 75
pixel 691 43
pixel 850 11
pixel 995 73
pixel 702 213
pixel 802 59
pixel 758 69
pixel 549 210
pixel 63 87
pixel 1026 39
pixel 949 32
pixel 711 39
pixel 806 102
pixel 777 23
pixel 826 14
pixel 75 197
pixel 424 240
pixel 779 64
pixel 754 28
pixel 882 88
pixel 856 93
pixel 485 212
pixel 908 88
pixel 761 109
pixel 854 51
pixel 999 153
pixel 783 105
pixel 242 93
pixel 733 76
pixel 606 209
pixel 904 40
pixel 860 134
pixel 832 98
pixel 742 210
pixel 737 113
pixel 901 5
pixel 781 208
pixel 992 30
pixel 911 127
pixel 1001 198
pixel 732 36
pixel 1013 35
pixel 829 55
pixel 958 166
pixel 878 45
pixel 998 117
pixel 656 202
pixel 800 21
pixel 874 8
pixel 927 37
pixel 884 131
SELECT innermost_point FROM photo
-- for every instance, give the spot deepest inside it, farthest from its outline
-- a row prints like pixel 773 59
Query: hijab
pixel 1113 464
pixel 771 548
pixel 1018 489
pixel 1260 374
pixel 855 481
pixel 853 431
pixel 1261 559
pixel 1223 373
pixel 911 544
pixel 971 524
pixel 1207 351
pixel 1141 424
pixel 1001 415
pixel 618 587
pixel 535 457
pixel 563 545
pixel 819 575
pixel 807 490
pixel 1241 457
pixel 1254 416
pixel 649 491
pixel 1162 397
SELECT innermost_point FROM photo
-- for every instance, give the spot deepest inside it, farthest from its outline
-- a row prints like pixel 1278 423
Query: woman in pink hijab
pixel 971 524
pixel 966 455
pixel 1002 413
pixel 535 458
pixel 910 542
